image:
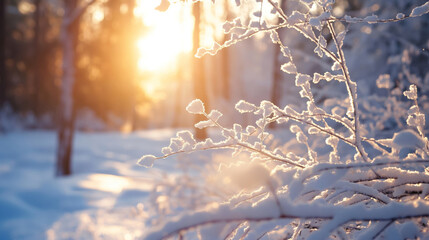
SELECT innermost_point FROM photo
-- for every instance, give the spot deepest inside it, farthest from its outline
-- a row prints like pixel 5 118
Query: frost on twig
pixel 337 178
pixel 321 183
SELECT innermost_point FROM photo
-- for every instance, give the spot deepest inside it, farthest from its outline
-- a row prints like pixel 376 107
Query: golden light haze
pixel 169 34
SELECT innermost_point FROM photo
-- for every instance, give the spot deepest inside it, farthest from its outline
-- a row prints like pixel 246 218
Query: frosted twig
pixel 318 127
pixel 352 94
pixel 328 166
pixel 231 145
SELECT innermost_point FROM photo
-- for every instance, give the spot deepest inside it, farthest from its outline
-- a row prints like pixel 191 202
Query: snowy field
pixel 104 198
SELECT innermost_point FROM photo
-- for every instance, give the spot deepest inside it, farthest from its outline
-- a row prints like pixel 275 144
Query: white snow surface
pixel 103 199
pixel 108 196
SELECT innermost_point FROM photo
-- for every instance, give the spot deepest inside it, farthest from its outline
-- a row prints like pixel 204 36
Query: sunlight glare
pixel 105 183
pixel 169 35
pixel 26 7
pixel 98 16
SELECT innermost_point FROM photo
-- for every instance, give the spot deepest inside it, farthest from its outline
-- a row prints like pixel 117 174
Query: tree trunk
pixel 134 59
pixel 277 77
pixel 225 58
pixel 178 105
pixel 36 59
pixel 276 91
pixel 198 71
pixel 225 90
pixel 3 81
pixel 66 110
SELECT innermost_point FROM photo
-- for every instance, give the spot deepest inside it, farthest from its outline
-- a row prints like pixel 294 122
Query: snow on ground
pixel 102 199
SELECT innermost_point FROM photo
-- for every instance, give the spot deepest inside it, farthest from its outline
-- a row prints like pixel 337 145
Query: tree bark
pixel 198 71
pixel 3 81
pixel 69 37
pixel 66 116
pixel 134 59
pixel 178 105
pixel 36 59
pixel 276 90
pixel 225 58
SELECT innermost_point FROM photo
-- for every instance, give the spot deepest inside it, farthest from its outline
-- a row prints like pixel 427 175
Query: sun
pixel 169 34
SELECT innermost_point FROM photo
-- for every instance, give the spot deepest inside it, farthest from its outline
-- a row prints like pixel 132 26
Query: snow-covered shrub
pixel 385 60
pixel 338 178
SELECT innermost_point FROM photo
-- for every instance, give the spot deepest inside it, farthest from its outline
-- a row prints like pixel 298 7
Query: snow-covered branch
pixel 336 178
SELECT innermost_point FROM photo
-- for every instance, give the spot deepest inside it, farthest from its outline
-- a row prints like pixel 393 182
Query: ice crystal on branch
pixel 412 93
pixel 289 68
pixel 196 107
pixel 147 160
pixel 336 176
pixel 302 79
pixel 243 106
pixel 383 81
